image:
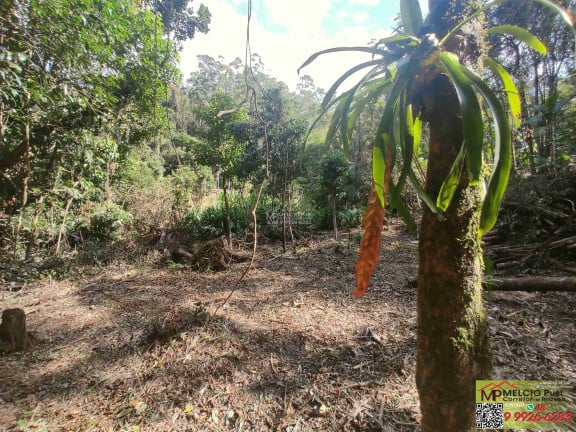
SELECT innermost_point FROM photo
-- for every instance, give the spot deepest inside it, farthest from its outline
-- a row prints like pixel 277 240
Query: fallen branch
pixel 563 266
pixel 565 241
pixel 531 284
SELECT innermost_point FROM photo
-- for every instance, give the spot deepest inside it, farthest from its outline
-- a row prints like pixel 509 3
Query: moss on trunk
pixel 453 339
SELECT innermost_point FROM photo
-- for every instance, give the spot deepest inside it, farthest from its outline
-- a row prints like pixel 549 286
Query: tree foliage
pixel 179 20
pixel 538 77
pixel 82 84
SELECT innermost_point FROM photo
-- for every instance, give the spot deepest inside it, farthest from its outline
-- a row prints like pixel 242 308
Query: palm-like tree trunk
pixel 453 344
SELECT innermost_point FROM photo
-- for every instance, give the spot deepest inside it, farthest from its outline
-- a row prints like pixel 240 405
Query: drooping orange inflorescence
pixel 371 240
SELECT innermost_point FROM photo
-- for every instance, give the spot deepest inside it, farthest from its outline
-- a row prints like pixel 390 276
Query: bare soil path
pixel 131 348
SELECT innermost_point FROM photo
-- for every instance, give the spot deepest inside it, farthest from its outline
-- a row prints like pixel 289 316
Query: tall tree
pixel 285 130
pixel 334 170
pixel 179 19
pixel 223 141
pixel 538 75
pixel 78 80
pixel 426 75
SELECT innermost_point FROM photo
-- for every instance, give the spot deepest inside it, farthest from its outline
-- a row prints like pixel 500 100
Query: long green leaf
pixel 397 40
pixel 424 196
pixel 522 35
pixel 317 54
pixel 449 186
pixel 347 119
pixel 334 87
pixel 321 115
pixel 503 158
pixel 406 127
pixel 384 134
pixel 367 96
pixel 345 131
pixel 549 4
pixel 406 140
pixel 379 166
pixel 401 80
pixel 372 91
pixel 411 16
pixel 403 212
pixel 417 135
pixel 339 99
pixel 472 123
pixel 509 88
pixel 335 123
pixel 336 117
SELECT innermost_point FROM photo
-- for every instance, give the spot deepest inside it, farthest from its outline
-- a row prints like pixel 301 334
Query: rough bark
pixel 453 338
pixel 13 335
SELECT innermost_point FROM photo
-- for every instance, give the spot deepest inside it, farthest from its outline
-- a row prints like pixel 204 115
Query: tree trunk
pixel 334 216
pixel 13 335
pixel 283 204
pixel 25 179
pixel 1 117
pixel 34 231
pixel 63 224
pixel 453 338
pixel 290 230
pixel 227 224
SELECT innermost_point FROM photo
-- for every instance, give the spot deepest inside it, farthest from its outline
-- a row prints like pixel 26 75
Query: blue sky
pixel 285 32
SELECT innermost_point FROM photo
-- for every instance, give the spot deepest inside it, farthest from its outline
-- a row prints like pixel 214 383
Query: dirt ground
pixel 134 348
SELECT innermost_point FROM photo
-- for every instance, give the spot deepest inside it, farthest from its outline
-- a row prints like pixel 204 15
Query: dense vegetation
pixel 101 141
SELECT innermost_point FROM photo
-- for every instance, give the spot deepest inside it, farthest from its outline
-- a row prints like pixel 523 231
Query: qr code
pixel 489 416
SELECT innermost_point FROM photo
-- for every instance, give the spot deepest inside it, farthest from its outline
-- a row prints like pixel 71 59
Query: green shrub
pixel 106 223
pixel 211 222
pixel 266 207
pixel 350 218
pixel 321 218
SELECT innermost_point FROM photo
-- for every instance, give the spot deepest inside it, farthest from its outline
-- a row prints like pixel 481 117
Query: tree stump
pixel 13 335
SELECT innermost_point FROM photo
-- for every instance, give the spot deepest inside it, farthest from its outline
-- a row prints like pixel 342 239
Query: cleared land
pixel 134 348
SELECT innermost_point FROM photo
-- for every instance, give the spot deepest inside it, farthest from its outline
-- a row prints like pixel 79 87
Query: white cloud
pixel 360 17
pixel 282 53
pixel 298 16
pixel 365 2
pixel 226 37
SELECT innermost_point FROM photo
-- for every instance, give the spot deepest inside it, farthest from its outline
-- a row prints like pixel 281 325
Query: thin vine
pixel 252 98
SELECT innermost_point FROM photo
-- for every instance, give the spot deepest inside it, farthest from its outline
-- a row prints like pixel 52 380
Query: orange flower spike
pixel 372 239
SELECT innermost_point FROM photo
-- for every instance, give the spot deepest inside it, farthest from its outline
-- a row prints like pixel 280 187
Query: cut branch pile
pixel 211 255
pixel 537 225
pixel 505 256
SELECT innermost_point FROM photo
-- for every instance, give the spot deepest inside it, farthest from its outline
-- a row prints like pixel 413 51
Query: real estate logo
pixel 514 404
pixel 494 390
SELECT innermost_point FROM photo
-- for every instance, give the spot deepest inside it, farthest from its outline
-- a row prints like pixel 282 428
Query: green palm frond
pixel 411 16
pixel 522 35
pixel 509 88
pixel 398 63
